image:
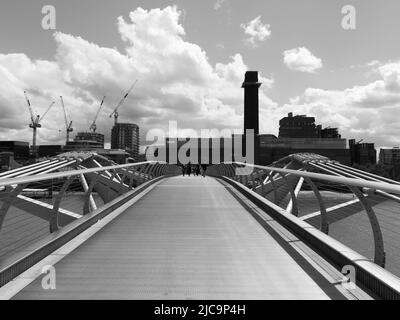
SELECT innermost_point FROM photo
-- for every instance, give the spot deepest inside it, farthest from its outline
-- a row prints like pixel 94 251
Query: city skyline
pixel 191 71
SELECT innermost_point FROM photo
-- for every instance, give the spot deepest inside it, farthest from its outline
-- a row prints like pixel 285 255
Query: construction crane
pixel 68 126
pixel 93 126
pixel 35 121
pixel 115 112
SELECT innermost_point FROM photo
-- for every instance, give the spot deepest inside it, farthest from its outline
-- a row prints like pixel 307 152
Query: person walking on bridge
pixel 203 170
pixel 188 169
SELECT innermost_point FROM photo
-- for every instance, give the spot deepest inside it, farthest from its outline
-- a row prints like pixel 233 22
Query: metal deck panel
pixel 189 238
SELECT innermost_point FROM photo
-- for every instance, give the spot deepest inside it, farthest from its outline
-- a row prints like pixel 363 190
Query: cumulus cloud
pixel 218 4
pixel 176 82
pixel 369 112
pixel 368 65
pixel 301 59
pixel 256 32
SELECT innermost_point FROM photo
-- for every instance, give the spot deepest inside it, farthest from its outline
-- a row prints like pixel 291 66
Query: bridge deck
pixel 188 238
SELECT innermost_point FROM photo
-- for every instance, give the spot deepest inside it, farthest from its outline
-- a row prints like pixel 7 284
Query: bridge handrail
pixel 21 260
pixel 371 276
pixel 362 183
pixel 248 174
pixel 70 173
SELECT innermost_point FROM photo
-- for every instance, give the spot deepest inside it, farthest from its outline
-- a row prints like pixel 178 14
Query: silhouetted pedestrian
pixel 188 169
pixel 183 169
pixel 203 169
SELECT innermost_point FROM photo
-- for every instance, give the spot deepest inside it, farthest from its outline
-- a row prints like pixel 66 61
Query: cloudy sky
pixel 190 58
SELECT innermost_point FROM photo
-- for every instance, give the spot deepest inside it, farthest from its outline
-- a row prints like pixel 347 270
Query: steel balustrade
pixel 137 173
pixel 357 185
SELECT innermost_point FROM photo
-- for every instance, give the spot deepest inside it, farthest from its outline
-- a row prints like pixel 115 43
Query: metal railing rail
pixel 70 173
pixel 64 199
pixel 24 258
pixel 59 185
pixel 362 183
pixel 252 176
pixel 368 275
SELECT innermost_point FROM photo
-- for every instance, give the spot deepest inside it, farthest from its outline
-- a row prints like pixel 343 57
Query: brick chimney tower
pixel 251 86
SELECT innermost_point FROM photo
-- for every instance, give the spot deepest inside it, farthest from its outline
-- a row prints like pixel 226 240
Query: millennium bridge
pixel 305 227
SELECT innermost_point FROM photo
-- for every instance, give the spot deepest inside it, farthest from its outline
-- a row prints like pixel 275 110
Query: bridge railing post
pixel 324 223
pixel 379 254
pixel 8 197
pixel 294 209
pixel 223 169
pixel 54 219
pixel 157 170
pixel 124 175
pixel 253 181
pixel 261 181
pixel 231 172
pixel 88 196
pixel 141 174
pixel 150 171
pixel 290 180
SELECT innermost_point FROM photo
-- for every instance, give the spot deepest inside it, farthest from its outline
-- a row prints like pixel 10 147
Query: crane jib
pixel 115 113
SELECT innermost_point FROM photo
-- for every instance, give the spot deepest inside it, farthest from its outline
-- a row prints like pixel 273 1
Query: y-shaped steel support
pixel 54 226
pixel 324 224
pixel 124 175
pixel 147 171
pixel 85 186
pixel 157 170
pixel 151 169
pixel 379 256
pixel 262 191
pixel 88 196
pixel 245 181
pixel 162 169
pixel 231 171
pixel 255 176
pixel 140 172
pixel 271 178
pixel 7 202
pixel 253 181
pixel 114 175
pixel 294 210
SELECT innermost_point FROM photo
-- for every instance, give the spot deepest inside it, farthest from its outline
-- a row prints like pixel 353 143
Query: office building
pixel 389 156
pixel 49 150
pixel 362 153
pixel 118 156
pixel 90 136
pixel 125 136
pixel 300 134
pixel 19 148
pixel 273 148
pixel 7 161
pixel 328 133
pixel 301 126
pixel 85 141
